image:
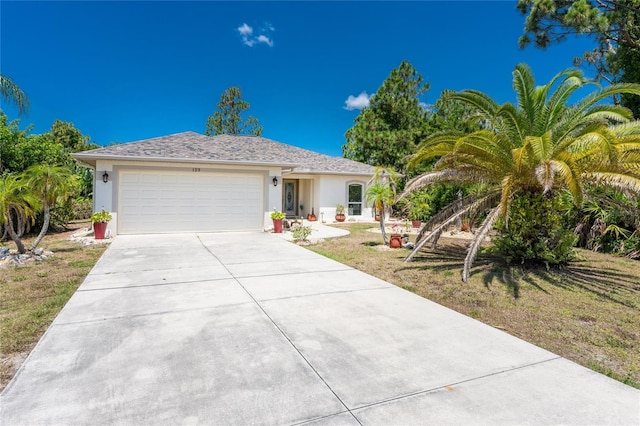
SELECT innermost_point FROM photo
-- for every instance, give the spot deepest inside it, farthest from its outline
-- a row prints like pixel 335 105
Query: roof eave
pixel 92 159
pixel 318 172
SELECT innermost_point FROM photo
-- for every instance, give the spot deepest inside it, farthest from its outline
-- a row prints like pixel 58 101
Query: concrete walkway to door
pixel 246 328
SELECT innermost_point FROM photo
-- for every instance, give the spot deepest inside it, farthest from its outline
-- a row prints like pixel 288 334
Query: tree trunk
pixel 45 226
pixel 14 236
pixel 459 220
pixel 384 232
pixel 20 225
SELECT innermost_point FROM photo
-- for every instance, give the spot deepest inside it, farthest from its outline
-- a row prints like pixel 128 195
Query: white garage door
pixel 166 202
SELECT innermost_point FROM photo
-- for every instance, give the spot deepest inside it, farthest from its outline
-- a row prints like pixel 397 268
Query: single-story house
pixel 191 182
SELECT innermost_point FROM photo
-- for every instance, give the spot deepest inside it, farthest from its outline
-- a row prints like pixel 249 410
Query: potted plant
pixel 419 210
pixel 311 217
pixel 395 241
pixel 99 220
pixel 277 217
pixel 340 217
pixel 418 213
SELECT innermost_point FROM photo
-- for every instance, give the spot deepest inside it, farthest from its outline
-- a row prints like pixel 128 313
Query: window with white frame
pixel 354 194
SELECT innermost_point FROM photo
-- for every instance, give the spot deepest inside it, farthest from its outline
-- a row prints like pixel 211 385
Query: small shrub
pixel 277 215
pixel 62 214
pixel 301 232
pixel 101 216
pixel 631 246
pixel 535 232
pixel 82 208
pixel 419 208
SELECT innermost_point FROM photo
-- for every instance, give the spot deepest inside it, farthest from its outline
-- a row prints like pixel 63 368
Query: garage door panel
pixel 153 201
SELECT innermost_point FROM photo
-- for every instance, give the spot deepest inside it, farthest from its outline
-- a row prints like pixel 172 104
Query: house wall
pixel 106 194
pixel 333 189
pixel 306 196
pixel 273 198
pixel 320 192
pixel 103 193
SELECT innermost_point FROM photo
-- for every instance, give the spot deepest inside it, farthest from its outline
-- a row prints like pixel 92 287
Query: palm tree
pixel 17 202
pixel 10 92
pixel 381 193
pixel 50 184
pixel 538 145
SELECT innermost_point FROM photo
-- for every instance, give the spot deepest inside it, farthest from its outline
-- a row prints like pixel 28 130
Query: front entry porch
pixel 297 197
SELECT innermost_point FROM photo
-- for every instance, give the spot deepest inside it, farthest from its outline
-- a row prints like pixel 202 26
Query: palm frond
pixel 631 128
pixel 506 188
pixel 481 102
pixel 458 174
pixel 447 211
pixel 481 234
pixel 10 92
pixel 556 104
pixel 616 180
pixel 609 113
pixel 524 86
pixel 436 145
pixel 545 173
pixel 511 123
pixel 456 212
pixel 541 146
pixel 485 147
pixel 604 93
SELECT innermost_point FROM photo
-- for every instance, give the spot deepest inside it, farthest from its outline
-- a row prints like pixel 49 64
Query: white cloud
pixel 264 39
pixel 248 39
pixel 245 29
pixel 357 102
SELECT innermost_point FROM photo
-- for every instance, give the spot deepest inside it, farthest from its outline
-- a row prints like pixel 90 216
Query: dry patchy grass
pixel 32 295
pixel 587 312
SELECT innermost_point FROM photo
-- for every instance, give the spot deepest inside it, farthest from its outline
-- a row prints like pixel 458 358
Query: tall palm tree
pixel 50 184
pixel 381 193
pixel 16 202
pixel 539 144
pixel 10 92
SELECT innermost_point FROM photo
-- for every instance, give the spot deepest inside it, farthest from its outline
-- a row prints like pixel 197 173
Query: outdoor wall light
pixel 275 181
pixel 105 177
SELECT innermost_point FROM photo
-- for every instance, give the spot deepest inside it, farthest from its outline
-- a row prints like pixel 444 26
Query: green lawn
pixel 588 312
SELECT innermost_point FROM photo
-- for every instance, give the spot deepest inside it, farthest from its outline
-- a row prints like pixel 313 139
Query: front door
pixel 290 197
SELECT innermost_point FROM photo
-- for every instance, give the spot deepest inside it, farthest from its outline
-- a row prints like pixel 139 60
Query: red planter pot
pixel 99 229
pixel 340 217
pixel 277 226
pixel 395 241
pixel 416 223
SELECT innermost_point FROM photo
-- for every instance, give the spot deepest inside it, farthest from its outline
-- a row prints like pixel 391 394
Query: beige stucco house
pixel 188 182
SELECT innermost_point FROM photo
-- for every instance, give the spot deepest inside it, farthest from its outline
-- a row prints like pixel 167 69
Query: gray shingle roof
pixel 191 146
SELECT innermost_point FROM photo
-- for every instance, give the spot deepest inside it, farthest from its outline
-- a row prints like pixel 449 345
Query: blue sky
pixel 125 71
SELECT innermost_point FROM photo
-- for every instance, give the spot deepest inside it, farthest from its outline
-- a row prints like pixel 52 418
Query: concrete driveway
pixel 246 328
